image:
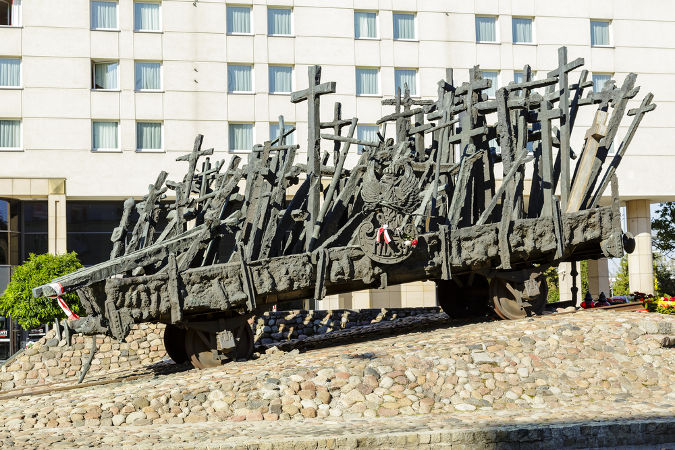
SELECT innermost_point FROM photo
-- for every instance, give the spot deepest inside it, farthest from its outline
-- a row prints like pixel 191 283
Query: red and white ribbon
pixel 383 231
pixel 59 290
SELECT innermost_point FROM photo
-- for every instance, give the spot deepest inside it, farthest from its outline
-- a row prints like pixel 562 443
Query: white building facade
pixel 96 97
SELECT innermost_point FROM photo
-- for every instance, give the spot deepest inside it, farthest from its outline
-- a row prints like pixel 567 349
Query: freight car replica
pixel 443 197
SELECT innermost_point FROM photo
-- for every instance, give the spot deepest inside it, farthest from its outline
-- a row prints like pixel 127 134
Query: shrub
pixel 17 300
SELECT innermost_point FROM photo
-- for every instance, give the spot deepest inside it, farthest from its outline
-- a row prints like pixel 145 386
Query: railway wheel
pixel 174 344
pixel 202 349
pixel 512 300
pixel 463 296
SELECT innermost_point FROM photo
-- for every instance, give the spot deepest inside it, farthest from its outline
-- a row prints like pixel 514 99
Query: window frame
pixel 359 148
pixel 94 62
pixel 289 8
pixel 20 147
pixel 610 35
pixel 499 81
pixel 117 15
pixel 286 124
pixel 269 79
pixel 593 74
pixel 250 19
pixel 13 22
pixel 377 25
pixel 417 81
pixel 379 81
pixel 161 75
pixel 534 34
pixel 496 18
pixel 242 151
pixel 119 137
pixel 415 28
pixel 251 65
pixel 161 21
pixel 20 85
pixel 161 134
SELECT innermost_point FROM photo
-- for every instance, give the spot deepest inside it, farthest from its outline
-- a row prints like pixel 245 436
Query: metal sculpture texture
pixel 445 199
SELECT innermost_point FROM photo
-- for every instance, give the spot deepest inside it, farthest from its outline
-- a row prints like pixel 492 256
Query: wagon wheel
pixel 174 343
pixel 505 296
pixel 463 296
pixel 201 346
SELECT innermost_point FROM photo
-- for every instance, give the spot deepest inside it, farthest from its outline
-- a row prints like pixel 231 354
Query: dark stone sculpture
pixel 406 211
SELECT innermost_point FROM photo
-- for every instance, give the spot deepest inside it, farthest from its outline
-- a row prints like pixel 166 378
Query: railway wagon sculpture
pixel 442 197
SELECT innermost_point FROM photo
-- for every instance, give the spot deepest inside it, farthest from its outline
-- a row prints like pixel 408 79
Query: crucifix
pixel 337 124
pixel 312 94
pixel 401 117
pixel 561 72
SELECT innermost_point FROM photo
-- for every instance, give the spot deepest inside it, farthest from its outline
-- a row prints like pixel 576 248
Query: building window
pixel 148 136
pixel 238 20
pixel 34 228
pixel 10 134
pixel 281 79
pixel 521 28
pixel 89 226
pixel 105 136
pixel 366 133
pixel 494 78
pixel 241 137
pixel 404 26
pixel 279 22
pixel 239 78
pixel 367 81
pixel 600 33
pixel 104 75
pixel 365 25
pixel 403 77
pixel 147 16
pixel 10 12
pixel 599 80
pixel 486 29
pixel 519 76
pixel 274 132
pixel 10 233
pixel 148 76
pixel 103 15
pixel 10 72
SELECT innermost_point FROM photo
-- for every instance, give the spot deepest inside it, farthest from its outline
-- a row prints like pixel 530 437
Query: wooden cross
pixel 544 116
pixel 638 113
pixel 402 123
pixel 312 94
pixel 564 91
pixel 337 124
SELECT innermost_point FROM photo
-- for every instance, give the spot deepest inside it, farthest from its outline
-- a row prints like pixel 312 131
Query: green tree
pixel 552 281
pixel 620 285
pixel 663 228
pixel 665 278
pixel 17 300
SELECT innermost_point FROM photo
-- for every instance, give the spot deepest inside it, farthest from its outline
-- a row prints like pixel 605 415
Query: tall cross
pixel 402 118
pixel 337 124
pixel 312 95
pixel 564 91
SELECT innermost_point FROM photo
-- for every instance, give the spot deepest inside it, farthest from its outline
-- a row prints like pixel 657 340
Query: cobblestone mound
pixel 587 365
pixel 50 360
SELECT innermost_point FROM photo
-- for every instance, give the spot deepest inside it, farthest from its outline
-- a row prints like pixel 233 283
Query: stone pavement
pixel 593 378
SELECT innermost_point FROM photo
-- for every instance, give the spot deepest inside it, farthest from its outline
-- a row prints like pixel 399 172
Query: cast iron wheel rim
pixel 505 304
pixel 199 345
pixel 174 344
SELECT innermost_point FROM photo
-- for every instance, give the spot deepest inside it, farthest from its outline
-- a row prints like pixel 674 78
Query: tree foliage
pixel 620 285
pixel 552 281
pixel 663 228
pixel 664 277
pixel 17 300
